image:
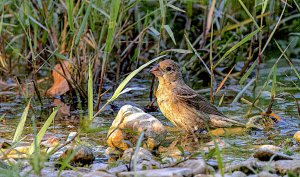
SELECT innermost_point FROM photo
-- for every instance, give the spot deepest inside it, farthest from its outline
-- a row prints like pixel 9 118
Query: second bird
pixel 183 106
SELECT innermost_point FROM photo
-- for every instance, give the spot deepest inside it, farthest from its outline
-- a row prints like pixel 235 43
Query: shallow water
pixel 239 147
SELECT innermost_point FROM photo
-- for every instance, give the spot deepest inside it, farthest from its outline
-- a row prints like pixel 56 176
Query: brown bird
pixel 183 106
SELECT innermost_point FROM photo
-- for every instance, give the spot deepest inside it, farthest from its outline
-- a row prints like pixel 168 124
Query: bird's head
pixel 167 71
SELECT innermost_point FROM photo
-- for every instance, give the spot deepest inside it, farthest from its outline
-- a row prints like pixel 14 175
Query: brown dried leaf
pixel 60 84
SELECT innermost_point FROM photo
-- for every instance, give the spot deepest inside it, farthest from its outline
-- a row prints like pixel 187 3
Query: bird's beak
pixel 156 71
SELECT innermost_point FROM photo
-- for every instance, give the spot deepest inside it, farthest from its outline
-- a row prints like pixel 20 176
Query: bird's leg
pixel 150 107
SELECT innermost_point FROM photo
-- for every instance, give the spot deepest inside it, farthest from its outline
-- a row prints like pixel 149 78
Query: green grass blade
pixel 183 51
pixel 170 32
pixel 248 13
pixel 274 29
pixel 273 90
pixel 90 93
pixel 43 130
pixel 237 45
pixel 114 11
pixel 70 7
pixel 264 6
pixel 84 22
pixel 175 8
pixel 218 156
pixel 286 57
pixel 246 75
pixel 21 124
pixel 136 152
pixel 196 53
pixel 2 117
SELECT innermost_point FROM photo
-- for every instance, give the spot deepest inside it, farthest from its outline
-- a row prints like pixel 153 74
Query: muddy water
pixel 239 147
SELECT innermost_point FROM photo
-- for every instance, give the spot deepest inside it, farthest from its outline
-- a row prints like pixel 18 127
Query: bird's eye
pixel 168 68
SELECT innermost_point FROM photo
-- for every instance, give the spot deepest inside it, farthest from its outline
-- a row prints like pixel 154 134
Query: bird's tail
pixel 222 122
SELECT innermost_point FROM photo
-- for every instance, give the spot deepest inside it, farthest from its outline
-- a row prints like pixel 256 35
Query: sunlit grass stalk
pixel 20 128
pixel 70 6
pixel 36 149
pixel 218 156
pixel 211 63
pixel 90 92
pixel 43 130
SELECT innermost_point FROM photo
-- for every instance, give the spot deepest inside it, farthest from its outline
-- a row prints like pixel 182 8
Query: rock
pixel 118 169
pixel 249 166
pixel 99 167
pixel 270 147
pixel 82 155
pixel 164 172
pixel 168 161
pixel 98 173
pixel 145 159
pixel 266 174
pixel 297 136
pixel 266 154
pixel 238 174
pixel 203 175
pixel 284 166
pixel 129 122
pixel 143 154
pixel 198 166
pixel 113 152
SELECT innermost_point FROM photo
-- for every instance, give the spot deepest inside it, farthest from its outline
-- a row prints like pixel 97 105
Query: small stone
pixel 203 175
pixel 266 174
pixel 99 166
pixel 98 173
pixel 297 136
pixel 198 166
pixel 270 147
pixel 266 155
pixel 83 155
pixel 238 174
pixel 145 159
pixel 284 166
pixel 143 154
pixel 164 172
pixel 118 169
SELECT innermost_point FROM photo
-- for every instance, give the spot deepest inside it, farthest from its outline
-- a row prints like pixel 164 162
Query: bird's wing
pixel 192 99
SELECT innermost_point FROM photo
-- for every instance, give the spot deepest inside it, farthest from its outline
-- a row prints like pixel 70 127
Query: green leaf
pixel 170 32
pixel 237 45
pixel 21 124
pixel 43 130
pixel 180 148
